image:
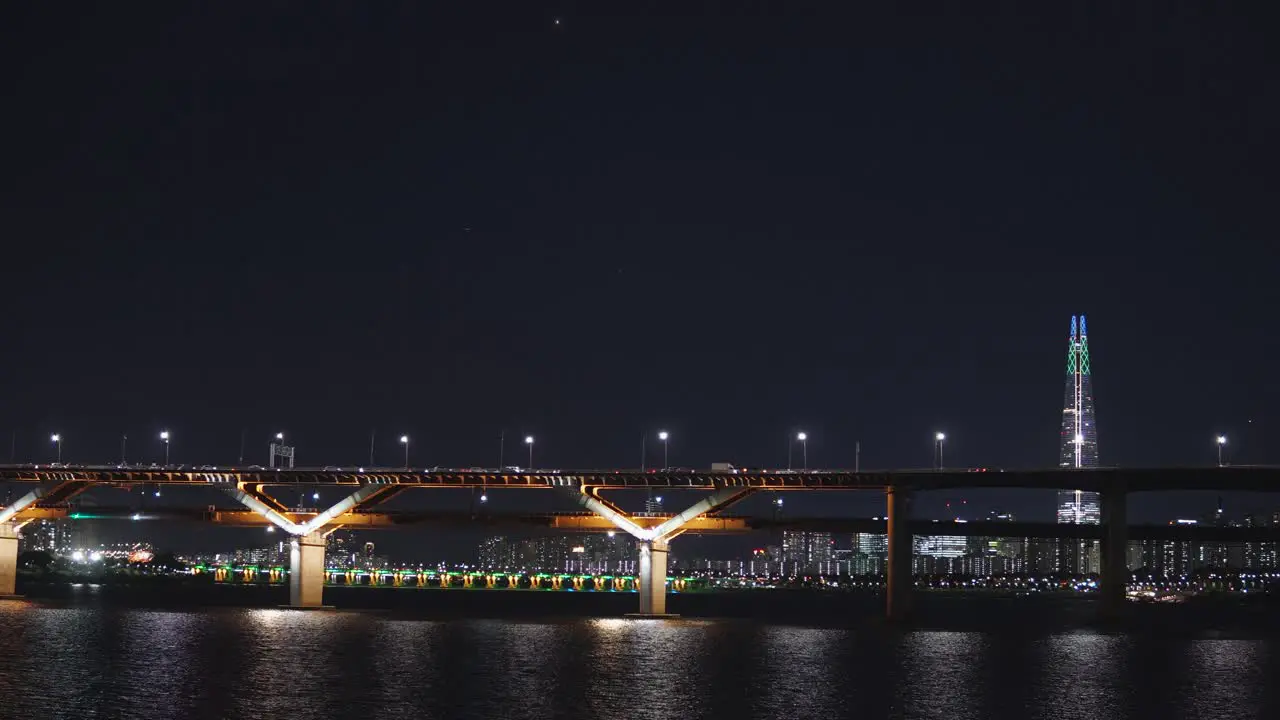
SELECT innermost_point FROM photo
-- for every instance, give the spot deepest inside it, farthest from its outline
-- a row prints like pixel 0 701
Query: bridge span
pixel 58 484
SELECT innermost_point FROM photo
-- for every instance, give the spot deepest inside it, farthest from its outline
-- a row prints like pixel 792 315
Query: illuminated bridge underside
pixel 1257 478
pixel 582 522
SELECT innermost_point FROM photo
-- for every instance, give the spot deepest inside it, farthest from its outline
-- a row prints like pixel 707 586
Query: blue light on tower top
pixel 1073 327
pixel 1082 330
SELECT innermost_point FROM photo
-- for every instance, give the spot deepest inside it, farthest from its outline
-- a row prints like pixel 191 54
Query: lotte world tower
pixel 1079 449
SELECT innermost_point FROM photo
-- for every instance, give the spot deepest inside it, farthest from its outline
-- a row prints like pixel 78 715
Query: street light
pixel 528 440
pixel 804 447
pixel 404 440
pixel 1222 440
pixel 57 441
pixel 937 448
pixel 164 435
pixel 663 436
pixel 276 449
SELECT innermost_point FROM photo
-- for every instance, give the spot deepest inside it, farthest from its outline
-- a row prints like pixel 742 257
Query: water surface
pixel 89 657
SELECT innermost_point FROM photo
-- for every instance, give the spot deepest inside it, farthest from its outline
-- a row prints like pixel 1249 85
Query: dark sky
pixel 448 219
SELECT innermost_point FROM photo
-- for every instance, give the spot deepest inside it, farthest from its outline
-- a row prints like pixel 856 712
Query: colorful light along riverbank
pixel 445 579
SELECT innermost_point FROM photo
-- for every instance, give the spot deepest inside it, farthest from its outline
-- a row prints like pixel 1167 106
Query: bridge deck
pixel 1250 478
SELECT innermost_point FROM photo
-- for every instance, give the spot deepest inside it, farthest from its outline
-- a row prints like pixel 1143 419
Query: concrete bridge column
pixel 899 582
pixel 306 571
pixel 1114 580
pixel 8 561
pixel 653 578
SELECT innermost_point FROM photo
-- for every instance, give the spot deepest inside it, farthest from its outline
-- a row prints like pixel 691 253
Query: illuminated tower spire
pixel 1079 436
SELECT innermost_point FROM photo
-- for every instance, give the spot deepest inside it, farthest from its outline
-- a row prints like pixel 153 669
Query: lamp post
pixel 937 448
pixel 1222 440
pixel 804 447
pixel 404 440
pixel 164 435
pixel 528 440
pixel 664 436
pixel 56 438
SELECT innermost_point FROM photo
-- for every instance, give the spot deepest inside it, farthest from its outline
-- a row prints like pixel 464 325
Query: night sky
pixel 592 221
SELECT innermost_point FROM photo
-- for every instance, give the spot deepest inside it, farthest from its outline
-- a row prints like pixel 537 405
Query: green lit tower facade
pixel 1079 449
pixel 1079 435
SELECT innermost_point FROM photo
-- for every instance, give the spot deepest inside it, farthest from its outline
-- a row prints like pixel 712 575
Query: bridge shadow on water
pixel 946 611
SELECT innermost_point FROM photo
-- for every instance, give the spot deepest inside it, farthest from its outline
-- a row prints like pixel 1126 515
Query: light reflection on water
pixel 129 663
pixel 939 676
pixel 1228 678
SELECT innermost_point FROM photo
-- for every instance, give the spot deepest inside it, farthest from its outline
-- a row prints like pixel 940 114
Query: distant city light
pixel 528 439
pixel 55 437
pixel 164 435
pixel 663 435
pixel 802 437
pixel 404 439
pixel 1079 439
pixel 279 436
pixel 96 557
pixel 940 437
pixel 78 556
pixel 1222 439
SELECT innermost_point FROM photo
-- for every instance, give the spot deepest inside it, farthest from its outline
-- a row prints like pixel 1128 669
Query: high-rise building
pixel 41 535
pixel 943 546
pixel 1079 449
pixel 806 551
pixel 871 543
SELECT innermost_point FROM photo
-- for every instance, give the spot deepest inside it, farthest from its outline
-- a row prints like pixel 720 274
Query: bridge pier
pixel 898 581
pixel 1114 579
pixel 653 579
pixel 8 561
pixel 306 571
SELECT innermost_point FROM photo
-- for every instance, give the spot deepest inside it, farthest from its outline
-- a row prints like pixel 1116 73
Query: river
pixel 95 652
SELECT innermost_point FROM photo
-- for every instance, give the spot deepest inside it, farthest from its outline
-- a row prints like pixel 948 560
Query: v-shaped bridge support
pixel 307 544
pixel 655 541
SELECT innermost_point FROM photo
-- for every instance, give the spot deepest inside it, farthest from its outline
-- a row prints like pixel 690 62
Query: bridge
pixel 55 485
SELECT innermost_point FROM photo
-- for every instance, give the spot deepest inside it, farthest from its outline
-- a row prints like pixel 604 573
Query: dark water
pixel 98 653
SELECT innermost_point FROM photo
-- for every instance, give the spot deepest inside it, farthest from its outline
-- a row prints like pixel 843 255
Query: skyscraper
pixel 1079 442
